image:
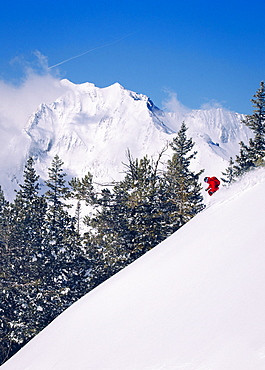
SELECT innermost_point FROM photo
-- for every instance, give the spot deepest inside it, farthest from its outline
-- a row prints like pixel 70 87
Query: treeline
pixel 47 263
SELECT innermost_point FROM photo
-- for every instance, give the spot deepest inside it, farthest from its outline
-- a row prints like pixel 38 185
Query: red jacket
pixel 213 183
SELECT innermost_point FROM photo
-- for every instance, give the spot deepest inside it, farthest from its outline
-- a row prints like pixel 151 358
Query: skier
pixel 213 184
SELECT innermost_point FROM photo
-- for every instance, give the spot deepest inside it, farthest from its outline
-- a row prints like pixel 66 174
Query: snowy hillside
pixel 91 129
pixel 195 302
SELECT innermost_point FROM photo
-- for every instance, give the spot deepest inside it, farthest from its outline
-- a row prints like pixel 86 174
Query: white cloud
pixel 212 104
pixel 38 85
pixel 18 102
pixel 173 105
pixel 34 63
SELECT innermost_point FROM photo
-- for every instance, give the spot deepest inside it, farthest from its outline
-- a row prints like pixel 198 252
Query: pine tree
pixel 146 217
pixel 57 195
pixel 7 347
pixel 104 242
pixel 4 218
pixel 66 266
pixel 23 246
pixel 128 221
pixel 27 220
pixel 28 213
pixel 183 199
pixel 252 155
pixel 230 173
pixel 82 190
pixel 256 122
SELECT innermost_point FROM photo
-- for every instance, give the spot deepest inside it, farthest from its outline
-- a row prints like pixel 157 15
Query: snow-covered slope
pixel 195 302
pixel 91 129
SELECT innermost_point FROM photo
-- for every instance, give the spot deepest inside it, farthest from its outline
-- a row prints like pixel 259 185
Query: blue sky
pixel 207 52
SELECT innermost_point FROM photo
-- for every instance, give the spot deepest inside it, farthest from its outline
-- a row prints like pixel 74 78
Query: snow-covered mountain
pixel 91 129
pixel 195 302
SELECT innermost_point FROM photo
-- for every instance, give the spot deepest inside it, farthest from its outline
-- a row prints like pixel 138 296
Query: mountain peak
pixel 97 125
pixel 91 129
pixel 85 85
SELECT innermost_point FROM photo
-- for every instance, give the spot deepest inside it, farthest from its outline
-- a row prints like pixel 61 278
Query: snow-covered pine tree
pixel 129 220
pixel 23 248
pixel 256 122
pixel 4 219
pixel 244 160
pixel 7 347
pixel 144 192
pixel 27 214
pixel 252 155
pixel 229 173
pixel 66 266
pixel 82 190
pixel 183 190
pixel 104 241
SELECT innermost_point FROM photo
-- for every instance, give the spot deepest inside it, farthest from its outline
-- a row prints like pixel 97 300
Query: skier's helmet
pixel 206 179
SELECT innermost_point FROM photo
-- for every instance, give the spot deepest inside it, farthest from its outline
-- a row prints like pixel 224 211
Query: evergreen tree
pixel 82 190
pixel 7 347
pixel 28 213
pixel 244 160
pixel 230 173
pixel 128 221
pixel 143 187
pixel 104 242
pixel 256 122
pixel 252 155
pixel 4 218
pixel 66 266
pixel 58 219
pixel 183 199
pixel 22 248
